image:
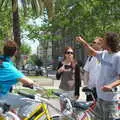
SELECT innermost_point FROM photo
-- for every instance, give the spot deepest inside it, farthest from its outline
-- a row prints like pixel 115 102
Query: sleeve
pixel 16 73
pixel 86 66
pixel 58 75
pixel 10 72
pixel 86 78
pixel 77 79
pixel 118 65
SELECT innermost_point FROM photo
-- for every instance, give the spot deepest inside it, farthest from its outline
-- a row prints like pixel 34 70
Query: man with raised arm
pixel 91 69
pixel 109 76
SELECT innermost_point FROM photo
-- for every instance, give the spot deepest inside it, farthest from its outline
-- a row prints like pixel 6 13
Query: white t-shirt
pixel 92 67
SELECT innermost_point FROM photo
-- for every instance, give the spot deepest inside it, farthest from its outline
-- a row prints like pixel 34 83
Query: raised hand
pixel 61 69
pixel 80 39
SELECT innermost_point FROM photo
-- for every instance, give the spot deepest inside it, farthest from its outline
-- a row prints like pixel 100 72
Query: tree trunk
pixel 16 29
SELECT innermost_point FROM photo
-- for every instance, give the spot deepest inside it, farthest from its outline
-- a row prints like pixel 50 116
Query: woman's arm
pixel 77 80
pixel 58 73
pixel 90 49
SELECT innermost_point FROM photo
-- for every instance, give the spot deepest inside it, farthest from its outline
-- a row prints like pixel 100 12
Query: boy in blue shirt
pixel 10 75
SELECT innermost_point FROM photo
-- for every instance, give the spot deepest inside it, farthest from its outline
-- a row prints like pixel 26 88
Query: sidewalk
pixel 49 83
pixel 56 83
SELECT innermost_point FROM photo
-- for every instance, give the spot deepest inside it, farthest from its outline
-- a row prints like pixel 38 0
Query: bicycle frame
pixel 40 111
pixel 78 110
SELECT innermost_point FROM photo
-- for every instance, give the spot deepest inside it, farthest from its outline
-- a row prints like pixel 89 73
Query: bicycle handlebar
pixel 26 95
pixel 34 87
pixel 76 104
pixel 86 89
pixel 57 93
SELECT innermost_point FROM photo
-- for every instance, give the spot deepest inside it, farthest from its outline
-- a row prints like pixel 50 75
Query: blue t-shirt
pixel 109 73
pixel 9 75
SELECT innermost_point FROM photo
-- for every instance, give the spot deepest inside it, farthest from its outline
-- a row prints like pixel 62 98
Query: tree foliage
pixel 89 18
pixel 5 23
pixel 25 49
pixel 36 60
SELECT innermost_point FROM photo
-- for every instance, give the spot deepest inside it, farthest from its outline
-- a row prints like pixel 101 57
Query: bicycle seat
pixel 86 89
pixel 82 104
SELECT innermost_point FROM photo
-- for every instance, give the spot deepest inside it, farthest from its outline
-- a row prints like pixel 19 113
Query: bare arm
pixel 90 49
pixel 26 80
pixel 112 85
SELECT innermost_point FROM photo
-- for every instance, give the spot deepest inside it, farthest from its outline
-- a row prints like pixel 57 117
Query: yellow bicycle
pixel 40 111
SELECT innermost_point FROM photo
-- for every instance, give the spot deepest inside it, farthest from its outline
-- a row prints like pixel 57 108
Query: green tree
pixel 25 49
pixel 37 6
pixel 88 18
pixel 36 60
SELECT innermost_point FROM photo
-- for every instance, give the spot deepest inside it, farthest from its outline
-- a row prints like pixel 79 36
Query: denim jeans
pixel 106 110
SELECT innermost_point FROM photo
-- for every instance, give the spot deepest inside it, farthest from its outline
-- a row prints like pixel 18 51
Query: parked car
pixel 33 69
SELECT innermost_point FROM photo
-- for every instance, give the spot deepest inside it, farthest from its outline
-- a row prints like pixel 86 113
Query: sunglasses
pixel 68 52
pixel 94 42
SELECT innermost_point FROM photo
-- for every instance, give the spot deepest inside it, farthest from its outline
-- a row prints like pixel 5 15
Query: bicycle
pixel 82 110
pixel 41 111
pixel 74 110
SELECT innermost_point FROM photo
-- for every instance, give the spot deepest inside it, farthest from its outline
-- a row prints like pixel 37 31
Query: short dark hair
pixel 10 48
pixel 112 40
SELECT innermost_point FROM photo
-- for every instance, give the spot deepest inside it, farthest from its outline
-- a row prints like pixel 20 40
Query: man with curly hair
pixel 109 76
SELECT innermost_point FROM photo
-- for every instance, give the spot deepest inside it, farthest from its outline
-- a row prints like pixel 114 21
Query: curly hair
pixel 113 41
